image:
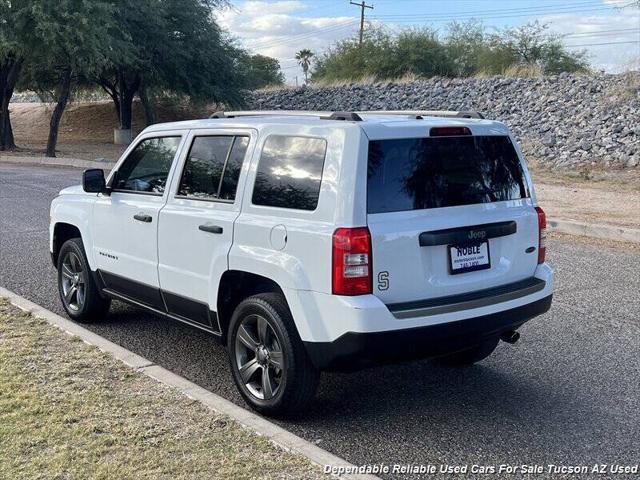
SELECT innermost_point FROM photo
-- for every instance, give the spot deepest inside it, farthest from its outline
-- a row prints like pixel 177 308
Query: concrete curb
pixel 61 162
pixel 277 435
pixel 607 232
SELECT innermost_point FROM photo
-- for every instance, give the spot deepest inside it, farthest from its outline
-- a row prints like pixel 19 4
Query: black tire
pixel 471 355
pixel 297 379
pixel 89 306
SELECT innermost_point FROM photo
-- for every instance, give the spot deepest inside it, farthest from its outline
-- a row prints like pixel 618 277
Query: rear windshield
pixel 435 172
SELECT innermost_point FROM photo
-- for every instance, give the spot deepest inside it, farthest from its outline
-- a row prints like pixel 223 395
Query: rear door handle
pixel 210 228
pixel 142 217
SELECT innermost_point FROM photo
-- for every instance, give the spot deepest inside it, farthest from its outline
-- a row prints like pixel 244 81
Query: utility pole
pixel 362 6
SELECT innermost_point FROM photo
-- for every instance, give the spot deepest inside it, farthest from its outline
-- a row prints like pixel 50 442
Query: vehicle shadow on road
pixel 519 399
pixel 474 404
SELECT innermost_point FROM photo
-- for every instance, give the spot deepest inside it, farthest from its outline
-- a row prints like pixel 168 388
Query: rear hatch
pixel 448 215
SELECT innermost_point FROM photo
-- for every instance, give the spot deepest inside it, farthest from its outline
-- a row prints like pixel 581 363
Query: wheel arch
pixel 62 232
pixel 70 215
pixel 234 287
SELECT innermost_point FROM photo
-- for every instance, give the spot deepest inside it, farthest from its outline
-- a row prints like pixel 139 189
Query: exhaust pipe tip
pixel 510 337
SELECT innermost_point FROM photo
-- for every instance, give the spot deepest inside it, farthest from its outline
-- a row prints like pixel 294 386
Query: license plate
pixel 468 258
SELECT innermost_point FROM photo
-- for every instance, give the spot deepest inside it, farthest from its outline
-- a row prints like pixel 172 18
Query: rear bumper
pixel 354 350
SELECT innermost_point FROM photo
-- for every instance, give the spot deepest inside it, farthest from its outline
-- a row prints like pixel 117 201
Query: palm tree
pixel 304 60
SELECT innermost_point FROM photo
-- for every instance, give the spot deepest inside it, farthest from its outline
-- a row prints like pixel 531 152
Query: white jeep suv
pixel 309 241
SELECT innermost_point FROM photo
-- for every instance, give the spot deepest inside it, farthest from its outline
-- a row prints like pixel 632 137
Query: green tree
pixel 350 61
pixel 465 44
pixel 261 71
pixel 381 56
pixel 531 44
pixel 77 34
pixel 419 51
pixel 13 25
pixel 169 46
pixel 304 60
pixel 465 50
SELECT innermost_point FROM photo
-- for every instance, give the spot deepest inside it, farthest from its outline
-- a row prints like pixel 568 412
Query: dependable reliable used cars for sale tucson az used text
pixel 310 241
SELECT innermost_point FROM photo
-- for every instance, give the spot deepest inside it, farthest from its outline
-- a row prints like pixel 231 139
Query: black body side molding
pixel 160 302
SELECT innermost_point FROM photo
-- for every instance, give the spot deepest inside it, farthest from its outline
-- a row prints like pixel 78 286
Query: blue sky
pixel 608 29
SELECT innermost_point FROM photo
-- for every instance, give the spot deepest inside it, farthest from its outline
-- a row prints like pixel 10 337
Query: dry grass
pixel 86 130
pixel 626 91
pixel 69 411
pixel 517 70
pixel 275 88
pixel 364 80
pixel 529 70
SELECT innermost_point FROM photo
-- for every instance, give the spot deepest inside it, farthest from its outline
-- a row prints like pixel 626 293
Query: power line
pixel 583 35
pixel 604 43
pixel 423 19
pixel 598 32
pixel 497 10
pixel 600 35
pixel 301 36
pixel 285 40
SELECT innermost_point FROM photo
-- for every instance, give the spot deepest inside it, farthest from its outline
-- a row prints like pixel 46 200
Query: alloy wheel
pixel 259 357
pixel 73 279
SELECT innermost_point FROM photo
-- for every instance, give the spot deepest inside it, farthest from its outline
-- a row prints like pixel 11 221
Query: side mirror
pixel 93 181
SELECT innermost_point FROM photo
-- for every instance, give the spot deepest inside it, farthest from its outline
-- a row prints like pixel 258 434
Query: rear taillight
pixel 352 270
pixel 542 234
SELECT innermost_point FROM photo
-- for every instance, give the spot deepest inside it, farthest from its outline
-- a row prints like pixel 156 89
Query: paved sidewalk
pixel 60 161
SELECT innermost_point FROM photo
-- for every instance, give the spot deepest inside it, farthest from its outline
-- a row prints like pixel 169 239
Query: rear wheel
pixel 470 355
pixel 268 360
pixel 78 291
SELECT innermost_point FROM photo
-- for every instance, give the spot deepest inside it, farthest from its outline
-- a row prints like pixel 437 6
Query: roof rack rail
pixel 348 116
pixel 323 115
pixel 428 113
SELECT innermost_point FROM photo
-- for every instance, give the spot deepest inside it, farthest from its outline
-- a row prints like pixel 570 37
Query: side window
pixel 147 167
pixel 290 172
pixel 212 168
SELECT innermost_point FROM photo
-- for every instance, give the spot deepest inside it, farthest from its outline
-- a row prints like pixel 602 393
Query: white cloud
pixel 279 30
pixel 617 3
pixel 609 30
pixel 258 8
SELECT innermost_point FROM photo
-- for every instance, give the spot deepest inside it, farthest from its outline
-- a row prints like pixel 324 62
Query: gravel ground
pixel 566 394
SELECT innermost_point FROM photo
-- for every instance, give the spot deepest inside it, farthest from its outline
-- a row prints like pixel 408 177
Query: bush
pixel 466 50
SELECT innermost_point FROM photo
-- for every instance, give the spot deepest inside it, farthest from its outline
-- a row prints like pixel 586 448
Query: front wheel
pixel 269 363
pixel 79 293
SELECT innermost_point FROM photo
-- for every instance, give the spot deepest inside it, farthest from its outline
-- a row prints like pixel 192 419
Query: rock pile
pixel 562 122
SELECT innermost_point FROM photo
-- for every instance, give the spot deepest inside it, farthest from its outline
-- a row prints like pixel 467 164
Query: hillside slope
pixel 563 121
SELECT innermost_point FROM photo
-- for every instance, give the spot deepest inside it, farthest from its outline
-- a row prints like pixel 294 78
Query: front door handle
pixel 210 228
pixel 141 217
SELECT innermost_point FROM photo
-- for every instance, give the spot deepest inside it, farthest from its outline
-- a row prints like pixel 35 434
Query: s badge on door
pixel 383 281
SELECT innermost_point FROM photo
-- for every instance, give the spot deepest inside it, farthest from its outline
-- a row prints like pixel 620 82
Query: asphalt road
pixel 567 394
